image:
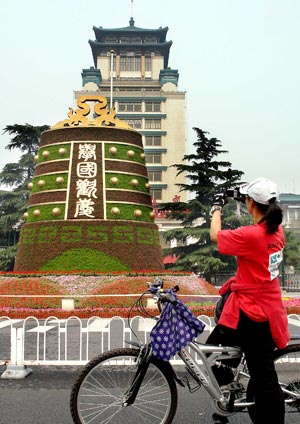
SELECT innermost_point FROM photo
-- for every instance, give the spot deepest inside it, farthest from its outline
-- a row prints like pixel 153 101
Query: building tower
pixel 145 94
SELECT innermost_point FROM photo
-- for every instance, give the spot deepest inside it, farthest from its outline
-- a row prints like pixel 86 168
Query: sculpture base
pixel 93 245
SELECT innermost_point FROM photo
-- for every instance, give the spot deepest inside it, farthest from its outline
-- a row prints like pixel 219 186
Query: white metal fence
pixel 72 341
pixel 75 341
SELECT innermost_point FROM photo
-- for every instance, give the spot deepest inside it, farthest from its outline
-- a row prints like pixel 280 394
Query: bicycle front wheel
pixel 97 394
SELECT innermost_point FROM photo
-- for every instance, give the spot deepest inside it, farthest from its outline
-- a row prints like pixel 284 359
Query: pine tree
pixel 27 139
pixel 291 252
pixel 15 176
pixel 205 176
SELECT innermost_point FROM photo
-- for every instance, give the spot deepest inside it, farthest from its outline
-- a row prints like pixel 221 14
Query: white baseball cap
pixel 261 190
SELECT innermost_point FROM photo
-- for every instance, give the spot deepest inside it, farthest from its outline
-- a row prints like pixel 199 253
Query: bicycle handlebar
pixel 162 296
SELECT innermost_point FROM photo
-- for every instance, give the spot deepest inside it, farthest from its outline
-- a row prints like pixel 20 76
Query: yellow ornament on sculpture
pixel 115 211
pixel 56 211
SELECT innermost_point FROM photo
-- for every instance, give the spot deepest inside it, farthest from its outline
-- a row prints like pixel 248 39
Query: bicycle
pixel 132 385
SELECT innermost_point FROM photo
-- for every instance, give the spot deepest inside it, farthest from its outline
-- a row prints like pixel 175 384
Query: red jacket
pixel 269 301
pixel 255 288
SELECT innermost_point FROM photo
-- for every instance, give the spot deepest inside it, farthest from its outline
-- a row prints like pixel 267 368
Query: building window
pixel 154 175
pixel 130 40
pixel 122 107
pixel 153 124
pixel 135 123
pixel 153 140
pixel 150 40
pixel 137 63
pixel 293 214
pixel 130 63
pixel 153 158
pixel 111 40
pixel 129 107
pixel 148 63
pixel 123 63
pixel 152 106
pixel 156 193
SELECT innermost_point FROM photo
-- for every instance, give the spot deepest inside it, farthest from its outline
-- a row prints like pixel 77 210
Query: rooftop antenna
pixel 131 22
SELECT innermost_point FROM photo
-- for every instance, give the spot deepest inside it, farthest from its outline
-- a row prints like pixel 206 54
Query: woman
pixel 254 317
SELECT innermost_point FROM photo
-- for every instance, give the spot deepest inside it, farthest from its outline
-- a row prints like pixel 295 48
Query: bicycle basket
pixel 177 326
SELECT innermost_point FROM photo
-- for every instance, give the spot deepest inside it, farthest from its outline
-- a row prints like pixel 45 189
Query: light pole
pixel 111 77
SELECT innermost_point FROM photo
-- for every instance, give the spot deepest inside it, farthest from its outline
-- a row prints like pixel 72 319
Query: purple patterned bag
pixel 176 327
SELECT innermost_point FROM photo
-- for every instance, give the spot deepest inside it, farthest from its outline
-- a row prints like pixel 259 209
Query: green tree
pixel 7 258
pixel 15 176
pixel 27 139
pixel 205 174
pixel 291 251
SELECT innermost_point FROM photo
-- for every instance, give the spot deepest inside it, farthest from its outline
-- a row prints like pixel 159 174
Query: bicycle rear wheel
pixel 97 394
pixel 287 365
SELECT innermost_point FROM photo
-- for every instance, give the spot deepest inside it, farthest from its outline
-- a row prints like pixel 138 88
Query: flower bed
pixel 25 286
pixel 23 313
pixel 108 286
pixel 105 285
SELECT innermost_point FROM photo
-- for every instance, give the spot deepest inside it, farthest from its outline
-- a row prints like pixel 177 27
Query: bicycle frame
pixel 201 370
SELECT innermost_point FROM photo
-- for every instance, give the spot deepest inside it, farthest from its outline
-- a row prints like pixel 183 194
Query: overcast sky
pixel 238 61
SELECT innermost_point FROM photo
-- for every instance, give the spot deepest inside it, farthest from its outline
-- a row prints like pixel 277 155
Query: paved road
pixel 43 398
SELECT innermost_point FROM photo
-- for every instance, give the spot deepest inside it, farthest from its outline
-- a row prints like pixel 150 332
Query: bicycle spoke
pixel 99 395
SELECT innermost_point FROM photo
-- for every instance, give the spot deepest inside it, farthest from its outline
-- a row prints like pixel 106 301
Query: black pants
pixel 256 341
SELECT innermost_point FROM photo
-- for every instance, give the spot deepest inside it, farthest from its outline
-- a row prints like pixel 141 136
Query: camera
pixel 235 194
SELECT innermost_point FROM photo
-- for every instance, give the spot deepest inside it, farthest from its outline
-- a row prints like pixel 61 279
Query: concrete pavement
pixel 43 398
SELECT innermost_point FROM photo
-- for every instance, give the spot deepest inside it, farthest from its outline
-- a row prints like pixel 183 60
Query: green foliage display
pixel 125 182
pixel 122 152
pixel 50 182
pixel 54 153
pixel 81 259
pixel 46 212
pixel 127 212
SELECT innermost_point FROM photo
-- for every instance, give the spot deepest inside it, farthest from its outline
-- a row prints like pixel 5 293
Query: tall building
pixel 134 61
pixel 290 204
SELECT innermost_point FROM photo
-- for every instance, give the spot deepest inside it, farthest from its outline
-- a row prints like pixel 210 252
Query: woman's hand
pixel 219 200
pixel 215 224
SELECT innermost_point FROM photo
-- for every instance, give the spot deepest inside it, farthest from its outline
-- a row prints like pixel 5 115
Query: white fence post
pixel 16 370
pixel 68 340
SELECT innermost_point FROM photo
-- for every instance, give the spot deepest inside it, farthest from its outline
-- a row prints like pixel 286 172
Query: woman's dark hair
pixel 273 215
